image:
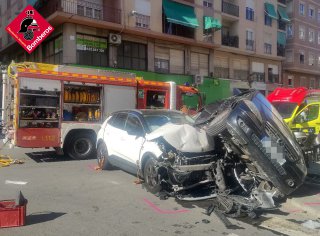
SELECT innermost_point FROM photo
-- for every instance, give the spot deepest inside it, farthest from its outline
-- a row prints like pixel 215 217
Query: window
pixel 319 60
pixel 307 114
pixel 92 50
pixel 120 120
pixel 319 15
pixel 301 9
pixel 311 59
pixel 318 37
pixel 301 32
pixel 290 80
pixel 97 14
pixel 311 36
pixel 80 10
pixel 161 65
pixel 207 3
pixel 301 57
pixel 52 51
pixel 289 31
pixel 267 20
pixel 267 48
pixel 132 56
pixel 249 40
pixel 311 11
pixel 134 127
pixel 142 21
pixel 249 14
pixel 199 64
pixel 289 56
pixel 89 12
pixel 312 83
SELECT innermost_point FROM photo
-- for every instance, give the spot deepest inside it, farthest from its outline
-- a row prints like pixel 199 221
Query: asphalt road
pixel 67 197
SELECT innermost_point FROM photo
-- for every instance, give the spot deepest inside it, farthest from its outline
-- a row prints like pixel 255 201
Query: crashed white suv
pixel 162 146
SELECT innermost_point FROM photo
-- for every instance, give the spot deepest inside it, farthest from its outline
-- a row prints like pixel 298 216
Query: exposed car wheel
pixel 102 157
pixel 218 124
pixel 81 146
pixel 151 179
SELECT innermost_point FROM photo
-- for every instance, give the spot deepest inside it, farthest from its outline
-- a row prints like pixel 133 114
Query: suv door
pixel 307 120
pixel 114 134
pixel 133 140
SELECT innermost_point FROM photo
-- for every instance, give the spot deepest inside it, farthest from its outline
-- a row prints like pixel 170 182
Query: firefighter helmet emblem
pixel 28 26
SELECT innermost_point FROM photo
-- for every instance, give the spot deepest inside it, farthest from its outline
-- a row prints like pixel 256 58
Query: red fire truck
pixel 62 107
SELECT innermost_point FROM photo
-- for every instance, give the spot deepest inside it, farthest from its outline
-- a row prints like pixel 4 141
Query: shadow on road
pixel 41 217
pixel 49 156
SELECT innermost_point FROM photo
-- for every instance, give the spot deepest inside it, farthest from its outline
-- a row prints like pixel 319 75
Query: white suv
pixel 162 146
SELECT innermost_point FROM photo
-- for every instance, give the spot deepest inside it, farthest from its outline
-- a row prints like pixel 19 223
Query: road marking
pixel 287 227
pixel 160 211
pixel 15 182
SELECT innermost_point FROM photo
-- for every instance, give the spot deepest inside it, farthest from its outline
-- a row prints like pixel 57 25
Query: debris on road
pixel 311 224
pixel 7 161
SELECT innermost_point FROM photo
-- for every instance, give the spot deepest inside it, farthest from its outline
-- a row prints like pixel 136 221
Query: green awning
pixel 281 39
pixel 283 14
pixel 269 8
pixel 180 14
pixel 210 23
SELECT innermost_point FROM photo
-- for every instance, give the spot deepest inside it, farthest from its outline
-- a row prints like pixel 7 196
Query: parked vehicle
pixel 63 106
pixel 239 150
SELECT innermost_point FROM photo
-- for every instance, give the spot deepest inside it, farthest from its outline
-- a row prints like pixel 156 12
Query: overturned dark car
pixel 238 150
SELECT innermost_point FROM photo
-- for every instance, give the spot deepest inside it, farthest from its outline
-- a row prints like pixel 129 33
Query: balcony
pixel 81 8
pixel 282 25
pixel 250 45
pixel 230 41
pixel 282 1
pixel 221 72
pixel 230 9
pixel 241 74
pixel 280 50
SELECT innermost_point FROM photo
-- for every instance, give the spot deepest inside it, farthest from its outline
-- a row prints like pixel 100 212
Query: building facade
pixel 235 42
pixel 302 64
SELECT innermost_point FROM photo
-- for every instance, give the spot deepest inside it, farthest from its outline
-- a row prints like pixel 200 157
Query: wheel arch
pixel 146 156
pixel 72 132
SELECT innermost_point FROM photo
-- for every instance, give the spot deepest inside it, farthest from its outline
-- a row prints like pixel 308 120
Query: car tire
pixel 151 181
pixel 81 146
pixel 218 124
pixel 102 157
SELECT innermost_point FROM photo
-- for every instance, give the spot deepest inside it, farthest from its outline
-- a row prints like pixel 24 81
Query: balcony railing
pixel 231 41
pixel 241 74
pixel 230 8
pixel 273 78
pixel 81 8
pixel 281 25
pixel 250 44
pixel 221 72
pixel 282 1
pixel 280 50
pixel 258 77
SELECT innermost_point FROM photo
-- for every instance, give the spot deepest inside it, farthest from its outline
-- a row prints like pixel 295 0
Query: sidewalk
pixel 307 197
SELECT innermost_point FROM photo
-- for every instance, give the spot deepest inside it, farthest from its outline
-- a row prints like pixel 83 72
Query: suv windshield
pixel 154 121
pixel 285 108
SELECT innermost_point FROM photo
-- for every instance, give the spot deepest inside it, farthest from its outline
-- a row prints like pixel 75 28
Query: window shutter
pixel 176 61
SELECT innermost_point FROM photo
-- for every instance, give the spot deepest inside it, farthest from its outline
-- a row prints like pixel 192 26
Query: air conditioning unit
pixel 198 79
pixel 114 39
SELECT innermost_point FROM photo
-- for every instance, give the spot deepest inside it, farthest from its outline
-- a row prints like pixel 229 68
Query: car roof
pixel 149 111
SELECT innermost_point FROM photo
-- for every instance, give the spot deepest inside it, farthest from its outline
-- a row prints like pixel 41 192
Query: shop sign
pixel 91 45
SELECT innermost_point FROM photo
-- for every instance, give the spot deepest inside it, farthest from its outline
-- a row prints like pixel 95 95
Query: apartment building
pixel 302 64
pixel 235 41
